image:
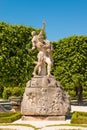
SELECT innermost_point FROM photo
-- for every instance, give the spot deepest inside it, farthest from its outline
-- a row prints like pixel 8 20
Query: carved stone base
pixel 44 96
pixel 38 118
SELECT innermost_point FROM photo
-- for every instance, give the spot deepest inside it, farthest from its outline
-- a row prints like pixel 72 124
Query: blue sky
pixel 63 17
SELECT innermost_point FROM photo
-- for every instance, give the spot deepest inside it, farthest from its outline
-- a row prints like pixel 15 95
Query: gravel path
pixel 63 128
pixel 44 128
pixel 17 127
pixel 78 108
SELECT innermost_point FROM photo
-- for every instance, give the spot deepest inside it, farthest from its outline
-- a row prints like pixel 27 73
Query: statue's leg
pixel 39 70
pixel 36 68
pixel 50 55
pixel 49 64
pixel 42 69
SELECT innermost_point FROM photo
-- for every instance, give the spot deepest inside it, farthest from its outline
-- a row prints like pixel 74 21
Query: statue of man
pixel 45 52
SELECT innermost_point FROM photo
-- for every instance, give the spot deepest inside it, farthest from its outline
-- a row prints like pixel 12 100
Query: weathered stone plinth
pixel 44 96
pixel 38 118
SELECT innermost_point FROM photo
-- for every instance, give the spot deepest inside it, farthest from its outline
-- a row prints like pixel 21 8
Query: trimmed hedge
pixel 79 118
pixel 8 117
pixel 13 92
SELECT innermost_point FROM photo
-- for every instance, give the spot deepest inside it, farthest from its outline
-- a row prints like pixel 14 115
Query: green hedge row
pixel 13 92
pixel 79 118
pixel 8 117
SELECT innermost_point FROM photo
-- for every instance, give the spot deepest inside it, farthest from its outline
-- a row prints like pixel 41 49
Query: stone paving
pixel 44 128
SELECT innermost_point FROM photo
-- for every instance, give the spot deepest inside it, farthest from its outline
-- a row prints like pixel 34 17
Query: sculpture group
pixel 45 53
pixel 44 97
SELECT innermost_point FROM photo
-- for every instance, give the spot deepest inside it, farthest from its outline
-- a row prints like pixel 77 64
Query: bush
pixel 85 94
pixel 22 91
pixel 1 91
pixel 72 94
pixel 16 91
pixel 8 117
pixel 13 92
pixel 7 92
pixel 79 118
pixel 4 114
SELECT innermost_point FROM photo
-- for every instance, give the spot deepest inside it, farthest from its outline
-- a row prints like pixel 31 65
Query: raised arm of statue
pixel 43 28
pixel 44 25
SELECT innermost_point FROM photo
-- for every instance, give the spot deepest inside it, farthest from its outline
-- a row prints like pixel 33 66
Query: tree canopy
pixel 70 62
pixel 16 62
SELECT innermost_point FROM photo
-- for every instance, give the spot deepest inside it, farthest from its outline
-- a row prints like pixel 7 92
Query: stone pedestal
pixel 44 97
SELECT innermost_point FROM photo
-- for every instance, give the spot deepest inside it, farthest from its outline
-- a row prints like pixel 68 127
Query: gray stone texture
pixel 44 96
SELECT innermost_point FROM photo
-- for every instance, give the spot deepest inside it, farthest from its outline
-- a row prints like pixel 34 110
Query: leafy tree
pixel 70 61
pixel 16 62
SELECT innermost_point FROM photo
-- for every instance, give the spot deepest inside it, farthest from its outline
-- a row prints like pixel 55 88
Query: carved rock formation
pixel 45 96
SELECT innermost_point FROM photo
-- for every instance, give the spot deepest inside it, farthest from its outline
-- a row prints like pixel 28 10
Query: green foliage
pixel 7 92
pixel 1 90
pixel 70 62
pixel 8 117
pixel 13 92
pixel 16 91
pixel 85 94
pixel 16 63
pixel 79 118
pixel 72 94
